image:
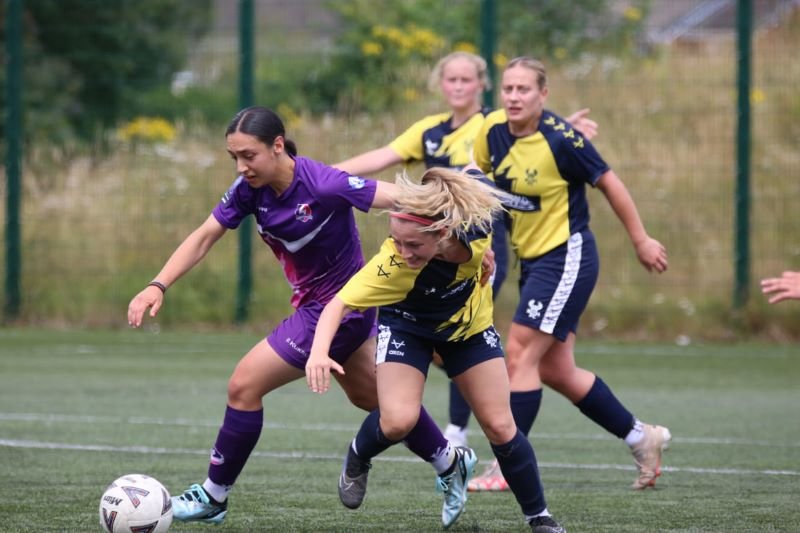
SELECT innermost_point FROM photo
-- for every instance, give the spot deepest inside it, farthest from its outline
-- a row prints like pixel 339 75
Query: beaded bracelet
pixel 158 284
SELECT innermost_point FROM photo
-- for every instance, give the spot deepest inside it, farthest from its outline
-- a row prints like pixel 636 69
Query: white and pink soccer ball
pixel 135 503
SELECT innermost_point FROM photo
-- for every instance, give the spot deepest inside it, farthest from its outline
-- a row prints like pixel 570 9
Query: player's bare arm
pixel 651 253
pixel 320 365
pixel 190 252
pixel 370 162
pixel 385 194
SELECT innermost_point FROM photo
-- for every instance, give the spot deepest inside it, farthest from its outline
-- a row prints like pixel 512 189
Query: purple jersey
pixel 310 226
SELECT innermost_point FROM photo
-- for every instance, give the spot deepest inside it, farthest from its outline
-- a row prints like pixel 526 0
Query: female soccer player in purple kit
pixel 304 213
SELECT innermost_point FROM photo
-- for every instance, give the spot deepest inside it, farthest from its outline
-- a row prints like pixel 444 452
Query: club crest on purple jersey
pixel 303 213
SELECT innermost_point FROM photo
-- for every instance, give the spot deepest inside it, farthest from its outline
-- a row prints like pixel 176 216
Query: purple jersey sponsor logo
pixel 303 213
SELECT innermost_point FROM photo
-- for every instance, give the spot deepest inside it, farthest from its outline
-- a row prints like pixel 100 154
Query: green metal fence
pixel 93 230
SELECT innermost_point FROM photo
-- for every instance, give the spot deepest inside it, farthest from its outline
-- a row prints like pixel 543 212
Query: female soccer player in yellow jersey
pixel 545 164
pixel 446 140
pixel 425 281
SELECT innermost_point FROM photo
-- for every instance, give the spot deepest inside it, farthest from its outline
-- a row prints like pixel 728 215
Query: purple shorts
pixel 292 338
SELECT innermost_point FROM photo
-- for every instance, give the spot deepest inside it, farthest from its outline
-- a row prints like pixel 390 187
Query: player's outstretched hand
pixel 786 287
pixel 318 372
pixel 652 255
pixel 487 266
pixel 150 298
pixel 580 122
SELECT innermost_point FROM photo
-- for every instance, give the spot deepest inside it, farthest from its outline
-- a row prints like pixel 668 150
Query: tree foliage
pixel 379 60
pixel 85 61
pixel 90 64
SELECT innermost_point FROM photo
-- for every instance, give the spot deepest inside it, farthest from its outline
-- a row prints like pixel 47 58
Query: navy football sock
pixel 605 410
pixel 517 461
pixel 370 440
pixel 525 406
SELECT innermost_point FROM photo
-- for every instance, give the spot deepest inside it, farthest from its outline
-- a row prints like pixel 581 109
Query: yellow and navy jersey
pixel 436 143
pixel 546 173
pixel 441 301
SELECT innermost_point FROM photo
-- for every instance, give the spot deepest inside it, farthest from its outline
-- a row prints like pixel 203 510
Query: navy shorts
pixel 555 288
pixel 398 346
pixel 292 338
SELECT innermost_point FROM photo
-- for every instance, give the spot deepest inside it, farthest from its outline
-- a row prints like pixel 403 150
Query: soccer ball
pixel 135 504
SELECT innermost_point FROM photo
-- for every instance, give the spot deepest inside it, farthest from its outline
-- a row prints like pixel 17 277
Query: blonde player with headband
pixel 425 281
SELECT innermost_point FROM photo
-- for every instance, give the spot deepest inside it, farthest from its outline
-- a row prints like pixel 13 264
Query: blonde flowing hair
pixel 450 199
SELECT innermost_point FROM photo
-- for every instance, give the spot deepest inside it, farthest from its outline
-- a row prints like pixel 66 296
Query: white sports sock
pixel 443 459
pixel 456 435
pixel 544 512
pixel 635 435
pixel 216 491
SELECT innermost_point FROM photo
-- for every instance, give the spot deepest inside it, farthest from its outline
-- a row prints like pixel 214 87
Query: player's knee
pixel 550 375
pixel 363 399
pixel 515 354
pixel 241 393
pixel 515 365
pixel 560 378
pixel 237 391
pixel 397 424
pixel 500 430
pixel 361 390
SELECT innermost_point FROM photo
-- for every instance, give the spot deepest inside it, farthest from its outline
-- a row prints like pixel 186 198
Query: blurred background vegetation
pixel 125 105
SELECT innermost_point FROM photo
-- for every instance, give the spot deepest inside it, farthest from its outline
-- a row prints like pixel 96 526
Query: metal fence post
pixel 245 283
pixel 744 22
pixel 488 40
pixel 13 156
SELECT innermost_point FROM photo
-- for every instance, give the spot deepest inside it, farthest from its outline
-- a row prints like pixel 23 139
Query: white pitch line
pixel 33 444
pixel 95 419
